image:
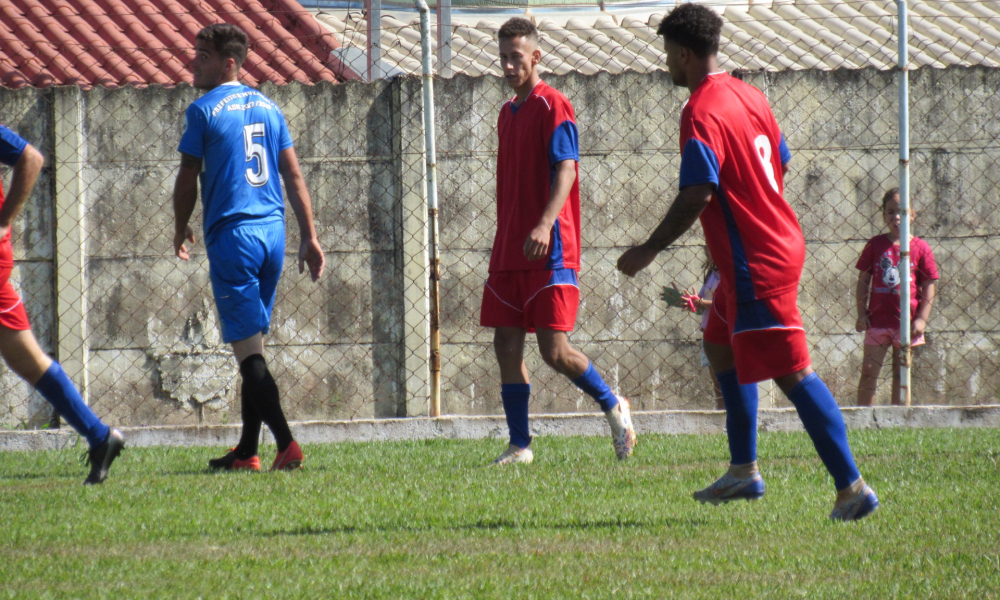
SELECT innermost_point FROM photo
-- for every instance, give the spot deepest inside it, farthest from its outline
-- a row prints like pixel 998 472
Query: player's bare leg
pixel 871 367
pixel 559 354
pixel 23 355
pixel 508 344
pixel 515 390
pixel 21 352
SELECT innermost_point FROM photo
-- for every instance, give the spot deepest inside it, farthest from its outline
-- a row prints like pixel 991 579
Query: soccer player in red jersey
pixel 18 346
pixel 733 161
pixel 533 285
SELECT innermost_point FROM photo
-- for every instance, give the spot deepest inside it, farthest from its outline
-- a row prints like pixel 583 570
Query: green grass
pixel 424 520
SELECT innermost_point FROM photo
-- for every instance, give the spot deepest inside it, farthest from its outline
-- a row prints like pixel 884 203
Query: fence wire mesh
pixel 138 330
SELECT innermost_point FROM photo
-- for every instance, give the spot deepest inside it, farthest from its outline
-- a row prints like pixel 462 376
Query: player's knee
pixel 555 357
pixel 23 356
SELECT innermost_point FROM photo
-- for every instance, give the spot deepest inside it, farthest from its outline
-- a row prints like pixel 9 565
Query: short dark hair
pixel 889 195
pixel 229 41
pixel 518 27
pixel 693 26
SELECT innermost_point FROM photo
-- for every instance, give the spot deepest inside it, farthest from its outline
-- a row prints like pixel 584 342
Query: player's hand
pixel 179 248
pixel 537 244
pixel 918 326
pixel 311 254
pixel 3 231
pixel 636 259
pixel 863 324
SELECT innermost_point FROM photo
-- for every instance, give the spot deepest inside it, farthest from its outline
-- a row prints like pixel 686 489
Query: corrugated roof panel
pixel 777 35
pixel 141 42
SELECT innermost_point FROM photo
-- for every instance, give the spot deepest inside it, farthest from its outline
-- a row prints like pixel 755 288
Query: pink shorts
pixel 766 335
pixel 531 300
pixel 883 336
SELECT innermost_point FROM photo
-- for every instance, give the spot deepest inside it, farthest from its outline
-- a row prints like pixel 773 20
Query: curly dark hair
pixel 518 27
pixel 693 26
pixel 229 41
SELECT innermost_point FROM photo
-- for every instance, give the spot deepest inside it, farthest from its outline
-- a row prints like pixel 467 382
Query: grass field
pixel 424 520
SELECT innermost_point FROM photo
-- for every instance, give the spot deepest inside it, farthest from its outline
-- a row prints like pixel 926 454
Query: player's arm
pixel 927 290
pixel 861 292
pixel 185 198
pixel 298 196
pixel 26 171
pixel 537 244
pixel 681 215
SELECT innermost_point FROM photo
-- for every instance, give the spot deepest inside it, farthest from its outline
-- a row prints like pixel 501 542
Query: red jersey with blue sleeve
pixel 534 137
pixel 730 138
pixel 11 148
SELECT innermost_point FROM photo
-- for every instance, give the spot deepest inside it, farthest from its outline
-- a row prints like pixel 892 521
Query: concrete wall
pixel 339 347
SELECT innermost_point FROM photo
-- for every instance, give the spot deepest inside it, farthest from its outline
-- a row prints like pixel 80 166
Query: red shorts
pixel 766 335
pixel 12 315
pixel 531 300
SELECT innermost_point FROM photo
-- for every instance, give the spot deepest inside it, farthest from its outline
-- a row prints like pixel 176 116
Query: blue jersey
pixel 11 147
pixel 238 133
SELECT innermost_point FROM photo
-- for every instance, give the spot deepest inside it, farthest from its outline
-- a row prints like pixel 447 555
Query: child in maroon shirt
pixel 878 299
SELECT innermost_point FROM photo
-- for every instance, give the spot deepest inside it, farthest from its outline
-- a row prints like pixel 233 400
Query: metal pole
pixel 432 205
pixel 373 18
pixel 904 206
pixel 444 38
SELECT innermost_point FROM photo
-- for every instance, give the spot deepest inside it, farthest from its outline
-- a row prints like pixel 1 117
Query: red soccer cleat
pixel 290 459
pixel 229 462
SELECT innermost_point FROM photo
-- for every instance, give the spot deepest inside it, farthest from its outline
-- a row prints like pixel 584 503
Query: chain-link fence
pixel 138 330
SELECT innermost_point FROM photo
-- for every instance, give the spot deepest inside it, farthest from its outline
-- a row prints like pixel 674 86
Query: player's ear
pixel 536 56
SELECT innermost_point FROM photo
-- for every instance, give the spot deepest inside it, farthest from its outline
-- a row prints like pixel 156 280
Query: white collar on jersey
pixel 527 96
pixel 230 83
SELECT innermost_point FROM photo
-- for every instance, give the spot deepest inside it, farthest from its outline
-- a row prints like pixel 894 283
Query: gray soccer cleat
pixel 728 488
pixel 865 504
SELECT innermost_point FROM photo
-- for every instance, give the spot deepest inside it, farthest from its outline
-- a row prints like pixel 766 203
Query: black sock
pixel 251 425
pixel 260 387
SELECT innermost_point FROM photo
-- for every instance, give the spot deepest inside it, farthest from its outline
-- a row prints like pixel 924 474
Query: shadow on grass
pixel 489 525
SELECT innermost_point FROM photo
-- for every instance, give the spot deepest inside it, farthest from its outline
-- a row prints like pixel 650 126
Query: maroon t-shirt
pixel 881 258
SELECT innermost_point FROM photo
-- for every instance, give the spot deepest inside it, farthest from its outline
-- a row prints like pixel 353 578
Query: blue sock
pixel 592 383
pixel 821 417
pixel 741 417
pixel 56 386
pixel 515 407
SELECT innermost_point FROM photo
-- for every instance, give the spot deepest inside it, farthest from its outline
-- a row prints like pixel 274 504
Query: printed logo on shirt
pixel 890 272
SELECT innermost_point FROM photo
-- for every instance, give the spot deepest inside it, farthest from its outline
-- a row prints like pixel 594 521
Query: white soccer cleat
pixel 622 431
pixel 515 455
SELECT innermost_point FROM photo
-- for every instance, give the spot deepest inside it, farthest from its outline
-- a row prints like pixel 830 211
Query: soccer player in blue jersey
pixel 236 144
pixel 18 345
pixel 733 160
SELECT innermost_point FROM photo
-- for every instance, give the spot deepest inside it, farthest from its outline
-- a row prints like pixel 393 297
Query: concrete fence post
pixel 70 191
pixel 413 200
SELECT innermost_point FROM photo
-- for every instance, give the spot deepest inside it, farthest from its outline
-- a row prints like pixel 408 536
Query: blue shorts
pixel 245 264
